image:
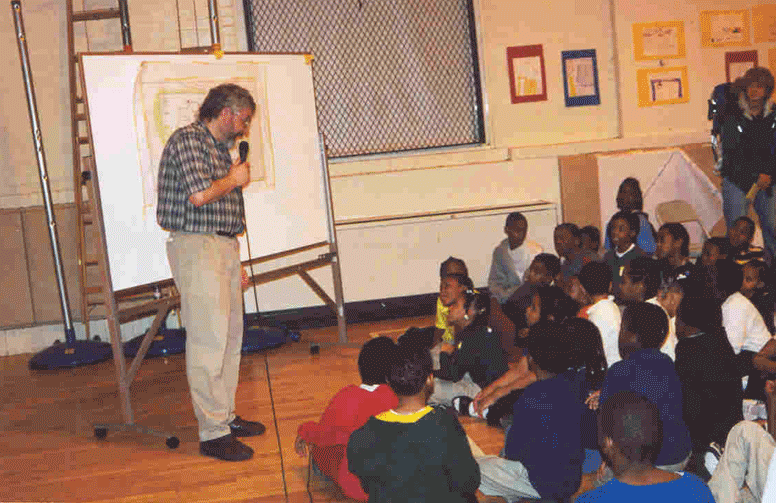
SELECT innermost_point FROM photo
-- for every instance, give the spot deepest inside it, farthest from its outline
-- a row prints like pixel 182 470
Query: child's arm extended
pixel 517 377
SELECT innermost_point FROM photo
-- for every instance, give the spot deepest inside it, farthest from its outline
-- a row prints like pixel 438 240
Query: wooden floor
pixel 48 451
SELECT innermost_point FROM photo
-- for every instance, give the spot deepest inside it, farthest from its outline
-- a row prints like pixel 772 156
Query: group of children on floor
pixel 611 372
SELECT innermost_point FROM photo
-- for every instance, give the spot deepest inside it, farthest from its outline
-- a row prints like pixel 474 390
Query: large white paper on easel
pixel 135 102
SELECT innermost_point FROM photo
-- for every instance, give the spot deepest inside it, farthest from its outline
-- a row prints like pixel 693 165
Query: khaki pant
pixel 748 452
pixel 206 270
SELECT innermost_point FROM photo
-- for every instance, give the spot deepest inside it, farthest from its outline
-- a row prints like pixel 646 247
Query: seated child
pixel 549 304
pixel 596 279
pixel 630 200
pixel 705 363
pixel 543 448
pixel 511 258
pixel 413 452
pixel 622 232
pixel 629 432
pixel 450 289
pixel 640 281
pixel 590 238
pixel 743 323
pixel 741 248
pixel 572 255
pixel 476 360
pixel 746 470
pixel 673 251
pixel 714 249
pixel 669 295
pixel 745 466
pixel 349 410
pixel 644 369
pixel 542 272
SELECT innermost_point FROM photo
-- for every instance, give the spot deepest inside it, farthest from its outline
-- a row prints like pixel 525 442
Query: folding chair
pixel 680 211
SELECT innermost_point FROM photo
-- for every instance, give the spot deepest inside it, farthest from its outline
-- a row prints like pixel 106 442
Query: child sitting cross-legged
pixel 414 452
pixel 543 449
pixel 496 401
pixel 349 409
pixel 630 436
pixel 476 360
pixel 644 369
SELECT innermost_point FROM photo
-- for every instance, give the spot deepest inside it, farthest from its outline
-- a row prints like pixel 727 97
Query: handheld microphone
pixel 243 151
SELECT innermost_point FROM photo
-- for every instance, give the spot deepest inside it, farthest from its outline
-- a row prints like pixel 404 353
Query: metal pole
pixel 126 36
pixel 339 296
pixel 215 36
pixel 36 137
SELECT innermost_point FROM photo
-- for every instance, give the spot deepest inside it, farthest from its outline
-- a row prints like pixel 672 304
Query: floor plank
pixel 48 451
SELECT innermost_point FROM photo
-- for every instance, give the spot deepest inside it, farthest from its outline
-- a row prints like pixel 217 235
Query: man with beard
pixel 201 204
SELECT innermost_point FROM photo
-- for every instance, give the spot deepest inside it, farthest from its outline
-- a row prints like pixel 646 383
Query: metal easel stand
pixel 72 353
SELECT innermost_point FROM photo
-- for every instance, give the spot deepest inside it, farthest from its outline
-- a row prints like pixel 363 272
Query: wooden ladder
pixel 89 262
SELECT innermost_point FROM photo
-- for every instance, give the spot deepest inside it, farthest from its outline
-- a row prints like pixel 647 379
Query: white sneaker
pixel 711 457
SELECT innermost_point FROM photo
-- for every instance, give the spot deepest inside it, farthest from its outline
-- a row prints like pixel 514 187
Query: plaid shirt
pixel 191 161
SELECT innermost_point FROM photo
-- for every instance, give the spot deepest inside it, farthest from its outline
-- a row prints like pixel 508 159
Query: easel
pixel 157 298
pixel 170 299
pixel 138 305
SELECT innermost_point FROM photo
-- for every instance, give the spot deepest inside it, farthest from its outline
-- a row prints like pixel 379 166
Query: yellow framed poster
pixel 662 86
pixel 658 40
pixel 720 28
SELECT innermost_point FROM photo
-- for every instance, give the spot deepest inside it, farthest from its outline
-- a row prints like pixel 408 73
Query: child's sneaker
pixel 711 457
pixel 461 405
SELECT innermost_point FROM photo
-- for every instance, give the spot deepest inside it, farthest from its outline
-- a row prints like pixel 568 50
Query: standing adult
pixel 748 142
pixel 201 204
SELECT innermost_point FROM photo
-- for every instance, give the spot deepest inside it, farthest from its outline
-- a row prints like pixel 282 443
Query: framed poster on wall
pixel 738 62
pixel 580 78
pixel 662 86
pixel 527 81
pixel 659 40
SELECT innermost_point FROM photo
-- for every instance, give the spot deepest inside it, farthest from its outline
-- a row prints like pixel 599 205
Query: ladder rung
pixel 93 289
pixel 93 15
pixel 201 49
pixel 83 140
pixel 80 117
pixel 92 261
pixel 95 303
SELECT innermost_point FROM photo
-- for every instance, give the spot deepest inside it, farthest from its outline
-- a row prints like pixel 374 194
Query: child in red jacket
pixel 349 410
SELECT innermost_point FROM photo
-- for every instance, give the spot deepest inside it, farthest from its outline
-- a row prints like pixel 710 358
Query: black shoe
pixel 226 448
pixel 461 405
pixel 242 428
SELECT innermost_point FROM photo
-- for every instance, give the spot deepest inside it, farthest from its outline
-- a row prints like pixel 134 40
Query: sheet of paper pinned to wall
pixel 660 41
pixel 581 77
pixel 528 76
pixel 167 96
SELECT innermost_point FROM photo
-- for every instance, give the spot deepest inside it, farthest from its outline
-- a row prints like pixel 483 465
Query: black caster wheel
pixel 100 432
pixel 172 442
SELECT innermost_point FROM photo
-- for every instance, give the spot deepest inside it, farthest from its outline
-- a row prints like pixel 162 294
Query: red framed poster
pixel 527 79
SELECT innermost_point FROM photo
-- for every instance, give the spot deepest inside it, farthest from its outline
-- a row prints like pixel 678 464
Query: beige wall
pixel 530 147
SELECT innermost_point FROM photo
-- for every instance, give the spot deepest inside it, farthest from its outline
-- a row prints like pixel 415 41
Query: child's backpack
pixel 720 105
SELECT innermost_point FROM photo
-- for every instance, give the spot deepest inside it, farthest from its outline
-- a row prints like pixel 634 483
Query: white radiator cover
pixel 400 256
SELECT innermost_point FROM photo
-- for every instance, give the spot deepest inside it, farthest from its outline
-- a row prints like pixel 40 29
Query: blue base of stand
pixel 168 341
pixel 258 336
pixel 72 354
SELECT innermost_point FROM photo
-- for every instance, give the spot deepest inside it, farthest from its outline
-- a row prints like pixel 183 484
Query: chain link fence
pixel 389 75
